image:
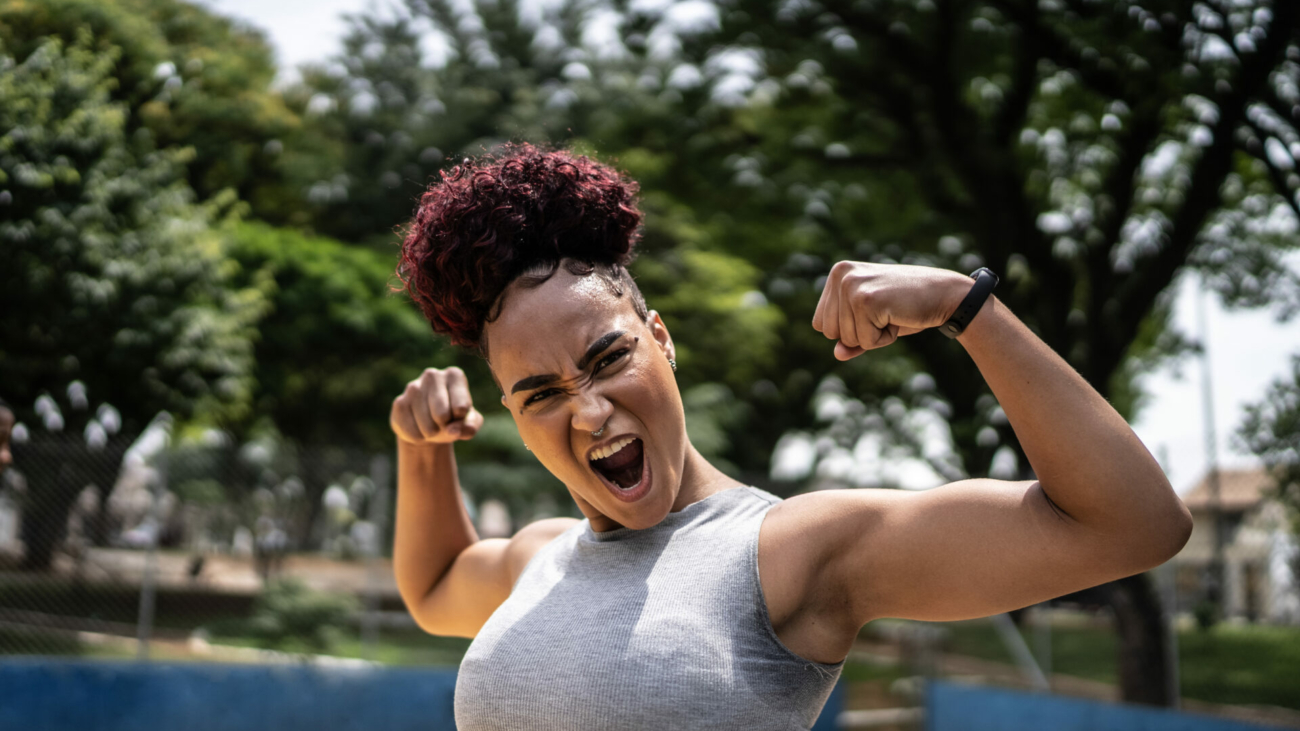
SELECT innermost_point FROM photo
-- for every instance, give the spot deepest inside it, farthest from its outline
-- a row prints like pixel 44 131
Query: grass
pixel 1247 664
pixel 393 647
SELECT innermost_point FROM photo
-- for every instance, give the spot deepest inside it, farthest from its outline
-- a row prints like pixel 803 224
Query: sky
pixel 1247 350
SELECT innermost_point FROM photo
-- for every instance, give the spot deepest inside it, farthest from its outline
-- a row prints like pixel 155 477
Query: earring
pixel 673 363
pixel 528 447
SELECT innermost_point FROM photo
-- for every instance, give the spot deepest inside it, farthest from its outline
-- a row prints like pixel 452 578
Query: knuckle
pixel 842 267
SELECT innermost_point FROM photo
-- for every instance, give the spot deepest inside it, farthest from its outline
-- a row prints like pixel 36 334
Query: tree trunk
pixel 1143 660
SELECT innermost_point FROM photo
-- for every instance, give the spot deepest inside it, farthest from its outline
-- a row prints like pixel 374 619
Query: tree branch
pixel 1139 291
pixel 1024 76
pixel 1274 174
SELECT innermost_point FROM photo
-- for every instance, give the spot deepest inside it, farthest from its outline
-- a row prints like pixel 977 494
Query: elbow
pixel 1170 523
pixel 1168 533
pixel 1181 527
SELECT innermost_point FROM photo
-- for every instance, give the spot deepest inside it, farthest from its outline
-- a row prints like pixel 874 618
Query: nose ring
pixel 598 432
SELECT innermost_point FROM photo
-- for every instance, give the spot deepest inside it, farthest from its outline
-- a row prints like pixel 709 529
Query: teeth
pixel 612 449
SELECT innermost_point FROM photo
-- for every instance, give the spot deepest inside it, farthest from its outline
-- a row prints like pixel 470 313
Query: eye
pixel 539 396
pixel 610 360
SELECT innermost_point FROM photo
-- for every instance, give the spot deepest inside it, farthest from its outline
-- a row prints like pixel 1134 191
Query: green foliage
pixel 722 325
pixel 120 278
pixel 1088 153
pixel 395 118
pixel 190 78
pixel 1206 614
pixel 205 492
pixel 1271 430
pixel 337 344
pixel 1240 664
pixel 289 615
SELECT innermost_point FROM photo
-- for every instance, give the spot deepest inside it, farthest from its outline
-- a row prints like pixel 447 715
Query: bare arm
pixel 450 580
pixel 1101 508
pixel 1087 458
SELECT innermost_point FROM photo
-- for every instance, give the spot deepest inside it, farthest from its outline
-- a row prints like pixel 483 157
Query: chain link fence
pixel 123 546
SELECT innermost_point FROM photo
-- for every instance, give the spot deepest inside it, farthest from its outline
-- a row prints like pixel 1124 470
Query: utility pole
pixel 1215 593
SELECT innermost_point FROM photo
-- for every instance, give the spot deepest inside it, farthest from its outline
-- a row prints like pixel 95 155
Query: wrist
pixel 423 449
pixel 983 320
pixel 981 284
pixel 956 287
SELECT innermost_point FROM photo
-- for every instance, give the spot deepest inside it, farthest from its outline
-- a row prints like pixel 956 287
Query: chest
pixel 649 644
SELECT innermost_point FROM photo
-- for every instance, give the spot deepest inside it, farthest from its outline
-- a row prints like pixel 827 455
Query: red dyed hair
pixel 490 220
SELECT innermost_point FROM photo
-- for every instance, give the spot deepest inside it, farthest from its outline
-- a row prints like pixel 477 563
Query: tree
pixel 336 344
pixel 1271 431
pixel 78 448
pixel 191 78
pixel 395 116
pixel 113 276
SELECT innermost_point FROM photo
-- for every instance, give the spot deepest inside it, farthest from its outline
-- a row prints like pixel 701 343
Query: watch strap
pixel 985 281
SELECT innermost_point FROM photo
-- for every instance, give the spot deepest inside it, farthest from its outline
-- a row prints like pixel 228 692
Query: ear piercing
pixel 673 363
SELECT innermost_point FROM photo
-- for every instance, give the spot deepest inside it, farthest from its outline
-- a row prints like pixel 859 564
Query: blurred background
pixel 200 211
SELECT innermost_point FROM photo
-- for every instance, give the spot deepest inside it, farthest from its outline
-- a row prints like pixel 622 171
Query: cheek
pixel 655 401
pixel 549 435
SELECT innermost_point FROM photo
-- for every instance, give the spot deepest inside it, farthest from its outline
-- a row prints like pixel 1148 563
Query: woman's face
pixel 574 358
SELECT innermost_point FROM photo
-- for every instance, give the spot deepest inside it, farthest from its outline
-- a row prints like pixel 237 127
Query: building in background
pixel 1260 553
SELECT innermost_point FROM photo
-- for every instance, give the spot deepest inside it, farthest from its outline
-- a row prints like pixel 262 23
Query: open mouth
pixel 621 462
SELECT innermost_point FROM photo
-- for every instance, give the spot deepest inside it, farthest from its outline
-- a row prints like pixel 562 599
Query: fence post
pixel 144 621
pixel 1167 577
pixel 1042 621
pixel 380 473
pixel 1020 651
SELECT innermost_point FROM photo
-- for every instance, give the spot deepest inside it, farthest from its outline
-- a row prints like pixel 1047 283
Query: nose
pixel 591 411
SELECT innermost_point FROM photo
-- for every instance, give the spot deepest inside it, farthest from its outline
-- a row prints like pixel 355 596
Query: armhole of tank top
pixel 549 546
pixel 764 618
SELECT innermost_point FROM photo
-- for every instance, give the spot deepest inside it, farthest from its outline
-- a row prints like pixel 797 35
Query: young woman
pixel 685 599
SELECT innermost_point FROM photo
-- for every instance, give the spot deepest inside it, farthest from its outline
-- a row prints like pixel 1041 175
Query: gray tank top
pixel 662 628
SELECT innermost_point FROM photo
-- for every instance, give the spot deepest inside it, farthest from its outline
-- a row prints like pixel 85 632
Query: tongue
pixel 623 468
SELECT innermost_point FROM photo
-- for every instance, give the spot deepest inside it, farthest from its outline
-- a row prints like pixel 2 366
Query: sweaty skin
pixel 829 561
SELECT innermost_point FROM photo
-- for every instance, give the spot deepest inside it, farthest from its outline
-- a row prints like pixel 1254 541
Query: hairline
pixel 615 276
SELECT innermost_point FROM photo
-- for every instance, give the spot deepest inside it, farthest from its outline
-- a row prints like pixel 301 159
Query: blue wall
pixel 53 695
pixel 58 695
pixel 953 707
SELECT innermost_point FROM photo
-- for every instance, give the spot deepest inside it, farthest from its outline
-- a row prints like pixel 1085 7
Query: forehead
pixel 541 328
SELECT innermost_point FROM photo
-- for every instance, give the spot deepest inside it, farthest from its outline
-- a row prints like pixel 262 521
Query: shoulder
pixel 819 521
pixel 530 539
pixel 803 536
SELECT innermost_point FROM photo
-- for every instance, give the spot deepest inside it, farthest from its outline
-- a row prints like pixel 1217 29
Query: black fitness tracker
pixel 985 281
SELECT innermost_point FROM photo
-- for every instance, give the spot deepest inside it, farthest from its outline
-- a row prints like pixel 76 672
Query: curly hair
pixel 496 219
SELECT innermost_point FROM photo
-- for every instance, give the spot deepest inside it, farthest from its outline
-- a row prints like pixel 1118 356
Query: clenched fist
pixel 435 409
pixel 866 306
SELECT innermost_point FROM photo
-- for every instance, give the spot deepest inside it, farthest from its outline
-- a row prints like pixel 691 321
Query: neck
pixel 700 480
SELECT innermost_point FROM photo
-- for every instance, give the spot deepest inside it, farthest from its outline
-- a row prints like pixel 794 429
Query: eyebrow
pixel 595 349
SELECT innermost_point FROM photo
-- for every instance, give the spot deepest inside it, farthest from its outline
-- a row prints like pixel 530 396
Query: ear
pixel 661 335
